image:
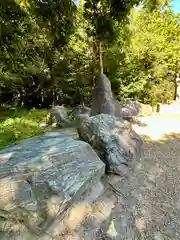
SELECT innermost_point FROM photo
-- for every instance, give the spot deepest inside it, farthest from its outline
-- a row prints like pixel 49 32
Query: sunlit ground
pixel 159 125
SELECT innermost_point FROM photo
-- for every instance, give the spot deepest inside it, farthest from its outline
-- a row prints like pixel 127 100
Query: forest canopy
pixel 51 50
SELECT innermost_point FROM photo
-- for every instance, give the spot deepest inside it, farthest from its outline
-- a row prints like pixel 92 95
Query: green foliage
pixel 32 37
pixel 154 45
pixel 56 17
pixel 50 50
pixel 17 124
pixel 120 8
pixel 144 59
pixel 151 5
pixel 100 24
pixel 103 18
pixel 73 72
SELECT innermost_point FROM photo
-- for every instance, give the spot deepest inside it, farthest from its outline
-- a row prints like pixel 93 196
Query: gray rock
pixel 130 109
pixel 41 177
pixel 158 236
pixel 117 108
pixel 170 231
pixel 110 106
pixel 113 139
pixel 81 111
pixel 102 99
pixel 60 115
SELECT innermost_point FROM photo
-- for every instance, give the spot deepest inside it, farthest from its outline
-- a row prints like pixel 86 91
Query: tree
pixel 151 5
pixel 50 50
pixel 103 17
pixel 56 17
pixel 151 56
pixel 33 35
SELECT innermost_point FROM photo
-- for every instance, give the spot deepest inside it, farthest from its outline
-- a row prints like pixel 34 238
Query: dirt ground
pixel 146 205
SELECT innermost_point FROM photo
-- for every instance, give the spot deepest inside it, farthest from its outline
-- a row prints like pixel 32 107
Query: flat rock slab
pixel 41 177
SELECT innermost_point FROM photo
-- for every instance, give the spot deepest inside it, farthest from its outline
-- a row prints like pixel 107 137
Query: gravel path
pixel 146 205
pixel 157 208
pixel 155 187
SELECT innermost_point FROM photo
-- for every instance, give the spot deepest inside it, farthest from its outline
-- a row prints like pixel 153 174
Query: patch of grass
pixel 146 138
pixel 17 124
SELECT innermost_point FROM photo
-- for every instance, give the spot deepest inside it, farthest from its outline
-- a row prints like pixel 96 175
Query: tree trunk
pixel 175 90
pixel 176 75
pixel 94 58
pixel 100 58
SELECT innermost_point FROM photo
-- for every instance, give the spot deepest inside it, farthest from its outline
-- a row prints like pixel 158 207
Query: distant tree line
pixel 51 50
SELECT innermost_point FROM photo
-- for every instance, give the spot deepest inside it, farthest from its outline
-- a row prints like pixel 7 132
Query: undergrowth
pixel 17 124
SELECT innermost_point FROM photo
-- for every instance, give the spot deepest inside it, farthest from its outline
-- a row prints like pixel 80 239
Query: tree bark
pixel 100 58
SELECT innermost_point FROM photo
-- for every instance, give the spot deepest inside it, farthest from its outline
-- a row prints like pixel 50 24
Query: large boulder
pixel 113 139
pixel 102 99
pixel 41 177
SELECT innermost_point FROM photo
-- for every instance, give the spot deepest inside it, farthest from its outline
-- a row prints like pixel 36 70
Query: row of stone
pixel 42 177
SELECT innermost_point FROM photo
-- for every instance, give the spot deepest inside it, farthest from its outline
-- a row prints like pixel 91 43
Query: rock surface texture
pixel 40 179
pixel 81 111
pixel 113 139
pixel 132 109
pixel 102 99
pixel 59 113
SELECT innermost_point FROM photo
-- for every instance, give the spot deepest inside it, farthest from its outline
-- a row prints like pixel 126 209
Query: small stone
pixel 59 113
pixel 112 230
pixel 158 236
pixel 54 125
pixel 42 125
pixel 170 231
